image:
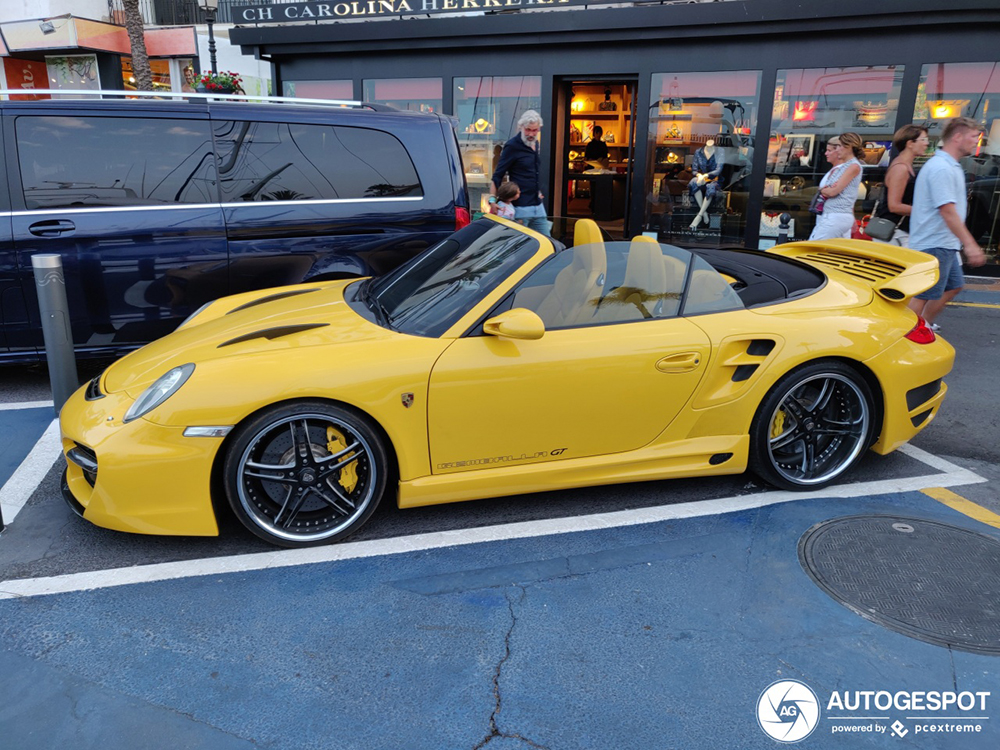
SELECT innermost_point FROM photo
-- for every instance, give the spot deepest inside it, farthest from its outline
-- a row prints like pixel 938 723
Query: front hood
pixel 298 317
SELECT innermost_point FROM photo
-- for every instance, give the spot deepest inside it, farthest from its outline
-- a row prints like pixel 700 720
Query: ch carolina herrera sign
pixel 331 10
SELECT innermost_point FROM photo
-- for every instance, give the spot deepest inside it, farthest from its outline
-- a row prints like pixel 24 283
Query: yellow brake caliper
pixel 778 426
pixel 336 442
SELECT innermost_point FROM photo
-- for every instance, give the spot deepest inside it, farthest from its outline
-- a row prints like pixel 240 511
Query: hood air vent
pixel 273 333
pixel 272 298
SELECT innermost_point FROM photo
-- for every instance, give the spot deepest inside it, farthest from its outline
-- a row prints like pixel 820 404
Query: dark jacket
pixel 521 164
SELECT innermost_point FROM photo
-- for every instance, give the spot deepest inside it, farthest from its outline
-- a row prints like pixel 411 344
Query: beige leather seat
pixel 579 286
pixel 644 290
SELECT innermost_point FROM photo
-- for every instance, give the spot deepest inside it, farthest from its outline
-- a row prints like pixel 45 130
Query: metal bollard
pixel 51 288
pixel 784 224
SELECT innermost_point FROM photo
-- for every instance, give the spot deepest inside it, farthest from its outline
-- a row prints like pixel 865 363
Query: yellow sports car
pixel 502 362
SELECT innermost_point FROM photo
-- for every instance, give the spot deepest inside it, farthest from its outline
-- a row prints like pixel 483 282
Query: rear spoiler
pixel 894 273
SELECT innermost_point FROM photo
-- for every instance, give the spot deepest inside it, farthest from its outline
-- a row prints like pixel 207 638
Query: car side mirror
pixel 518 323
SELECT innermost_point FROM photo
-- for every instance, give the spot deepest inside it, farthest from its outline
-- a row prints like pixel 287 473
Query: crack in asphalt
pixel 498 700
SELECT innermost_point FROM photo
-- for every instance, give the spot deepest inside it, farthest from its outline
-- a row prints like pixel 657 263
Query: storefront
pixel 67 52
pixel 741 85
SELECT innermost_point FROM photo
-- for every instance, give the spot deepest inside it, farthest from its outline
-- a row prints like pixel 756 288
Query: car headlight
pixel 164 387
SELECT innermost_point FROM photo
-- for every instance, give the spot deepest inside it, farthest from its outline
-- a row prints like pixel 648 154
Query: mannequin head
pixel 710 145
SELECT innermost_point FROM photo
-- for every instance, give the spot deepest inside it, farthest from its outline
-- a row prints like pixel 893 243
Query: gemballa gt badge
pixel 407 399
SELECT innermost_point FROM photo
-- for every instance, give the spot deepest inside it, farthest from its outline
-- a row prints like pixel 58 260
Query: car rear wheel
pixel 304 474
pixel 812 427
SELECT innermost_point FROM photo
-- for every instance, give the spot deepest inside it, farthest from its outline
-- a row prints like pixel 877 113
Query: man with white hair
pixel 519 161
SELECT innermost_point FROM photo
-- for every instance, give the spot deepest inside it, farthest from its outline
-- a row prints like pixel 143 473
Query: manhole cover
pixel 927 580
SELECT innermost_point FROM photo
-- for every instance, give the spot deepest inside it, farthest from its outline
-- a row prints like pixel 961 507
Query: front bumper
pixel 148 479
pixel 912 377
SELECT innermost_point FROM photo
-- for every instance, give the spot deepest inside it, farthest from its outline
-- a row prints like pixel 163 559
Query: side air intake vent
pixel 760 347
pixel 273 333
pixel 892 294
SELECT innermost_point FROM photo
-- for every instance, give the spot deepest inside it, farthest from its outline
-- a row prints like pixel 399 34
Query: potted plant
pixel 223 82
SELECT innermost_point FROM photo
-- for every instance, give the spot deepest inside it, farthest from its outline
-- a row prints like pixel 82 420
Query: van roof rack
pixel 185 96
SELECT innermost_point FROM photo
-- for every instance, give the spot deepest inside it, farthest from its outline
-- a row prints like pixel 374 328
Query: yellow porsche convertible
pixel 502 362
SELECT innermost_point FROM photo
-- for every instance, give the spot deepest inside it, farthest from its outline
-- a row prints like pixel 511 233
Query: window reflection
pixel 319 89
pixel 116 162
pixel 811 106
pixel 263 161
pixel 701 129
pixel 414 94
pixel 488 109
pixel 969 90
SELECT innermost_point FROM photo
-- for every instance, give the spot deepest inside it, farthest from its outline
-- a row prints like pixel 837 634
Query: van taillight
pixel 921 334
pixel 462 218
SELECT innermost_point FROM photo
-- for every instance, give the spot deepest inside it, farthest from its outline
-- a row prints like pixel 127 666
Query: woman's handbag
pixel 816 206
pixel 881 229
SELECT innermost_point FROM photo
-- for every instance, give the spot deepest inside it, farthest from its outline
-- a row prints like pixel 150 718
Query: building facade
pixel 767 82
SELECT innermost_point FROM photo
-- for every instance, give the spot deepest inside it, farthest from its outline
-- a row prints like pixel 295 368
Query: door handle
pixel 52 228
pixel 684 362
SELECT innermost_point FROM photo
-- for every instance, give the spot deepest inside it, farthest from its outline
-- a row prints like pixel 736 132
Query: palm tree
pixel 140 60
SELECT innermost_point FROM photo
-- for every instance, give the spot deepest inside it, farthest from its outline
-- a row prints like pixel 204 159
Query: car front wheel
pixel 307 473
pixel 812 427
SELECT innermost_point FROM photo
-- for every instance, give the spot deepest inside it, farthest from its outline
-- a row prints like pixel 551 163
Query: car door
pixel 129 201
pixel 10 290
pixel 604 378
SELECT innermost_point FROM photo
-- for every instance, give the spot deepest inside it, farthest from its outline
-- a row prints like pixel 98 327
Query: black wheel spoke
pixel 822 399
pixel 333 497
pixel 268 472
pixel 332 457
pixel 291 507
pixel 301 443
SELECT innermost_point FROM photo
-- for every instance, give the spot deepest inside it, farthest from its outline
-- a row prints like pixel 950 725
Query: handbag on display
pixel 881 229
pixel 817 203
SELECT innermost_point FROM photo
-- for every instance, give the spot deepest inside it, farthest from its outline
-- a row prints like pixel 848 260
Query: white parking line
pixel 26 478
pixel 951 476
pixel 25 405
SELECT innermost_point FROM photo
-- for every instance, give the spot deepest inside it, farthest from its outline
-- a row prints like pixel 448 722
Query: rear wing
pixel 894 273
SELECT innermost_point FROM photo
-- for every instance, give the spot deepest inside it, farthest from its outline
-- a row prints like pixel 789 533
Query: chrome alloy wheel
pixel 306 478
pixel 818 429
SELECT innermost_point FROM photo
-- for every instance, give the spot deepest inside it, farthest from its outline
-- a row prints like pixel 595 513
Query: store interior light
pixel 946 109
pixel 804 111
pixel 576 105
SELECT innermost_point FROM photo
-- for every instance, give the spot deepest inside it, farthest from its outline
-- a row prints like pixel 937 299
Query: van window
pixel 77 162
pixel 267 161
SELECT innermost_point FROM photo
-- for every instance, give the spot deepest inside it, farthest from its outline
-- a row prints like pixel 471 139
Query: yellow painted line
pixel 966 507
pixel 974 304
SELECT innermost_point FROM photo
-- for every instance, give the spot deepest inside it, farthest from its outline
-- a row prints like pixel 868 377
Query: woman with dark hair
pixel 910 141
pixel 840 188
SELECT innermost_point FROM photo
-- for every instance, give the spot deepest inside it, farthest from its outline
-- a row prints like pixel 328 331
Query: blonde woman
pixel 840 188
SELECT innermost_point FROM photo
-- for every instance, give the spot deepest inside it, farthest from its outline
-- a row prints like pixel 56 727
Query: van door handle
pixel 684 362
pixel 52 228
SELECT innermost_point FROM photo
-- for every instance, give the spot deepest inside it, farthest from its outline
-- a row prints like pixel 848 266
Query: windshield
pixel 429 294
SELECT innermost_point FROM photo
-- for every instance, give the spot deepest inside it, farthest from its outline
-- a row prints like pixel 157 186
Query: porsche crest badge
pixel 407 399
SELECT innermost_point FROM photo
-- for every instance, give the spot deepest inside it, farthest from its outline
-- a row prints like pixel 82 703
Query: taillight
pixel 462 218
pixel 921 334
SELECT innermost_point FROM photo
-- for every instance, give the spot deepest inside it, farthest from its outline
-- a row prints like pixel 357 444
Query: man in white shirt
pixel 937 221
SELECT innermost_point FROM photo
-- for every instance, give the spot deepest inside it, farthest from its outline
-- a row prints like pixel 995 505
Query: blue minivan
pixel 158 206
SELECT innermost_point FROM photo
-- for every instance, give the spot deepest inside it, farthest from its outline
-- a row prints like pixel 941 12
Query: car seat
pixel 578 287
pixel 643 292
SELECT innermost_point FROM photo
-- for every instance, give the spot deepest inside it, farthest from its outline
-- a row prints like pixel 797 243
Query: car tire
pixel 306 473
pixel 812 427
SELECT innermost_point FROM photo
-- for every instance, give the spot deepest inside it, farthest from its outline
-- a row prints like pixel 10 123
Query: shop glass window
pixel 810 107
pixel 269 161
pixel 950 90
pixel 414 94
pixel 488 109
pixel 115 161
pixel 701 142
pixel 319 89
